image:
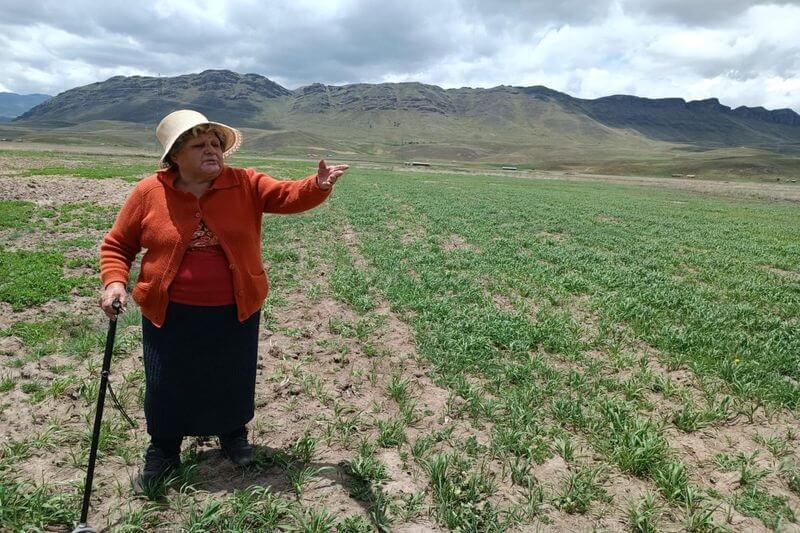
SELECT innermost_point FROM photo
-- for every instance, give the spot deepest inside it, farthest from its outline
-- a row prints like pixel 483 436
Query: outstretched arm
pixel 287 196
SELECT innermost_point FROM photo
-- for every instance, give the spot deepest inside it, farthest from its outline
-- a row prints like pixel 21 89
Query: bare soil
pixel 761 190
pixel 57 190
pixel 731 189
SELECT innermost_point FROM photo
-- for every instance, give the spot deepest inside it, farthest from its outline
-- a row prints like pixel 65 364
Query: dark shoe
pixel 237 449
pixel 158 465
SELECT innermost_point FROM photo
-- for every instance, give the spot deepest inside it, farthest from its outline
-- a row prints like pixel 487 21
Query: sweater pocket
pixel 140 291
pixel 258 282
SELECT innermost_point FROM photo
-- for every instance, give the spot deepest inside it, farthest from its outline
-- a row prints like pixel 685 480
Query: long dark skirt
pixel 200 370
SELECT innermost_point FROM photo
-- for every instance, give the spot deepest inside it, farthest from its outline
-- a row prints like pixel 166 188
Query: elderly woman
pixel 201 283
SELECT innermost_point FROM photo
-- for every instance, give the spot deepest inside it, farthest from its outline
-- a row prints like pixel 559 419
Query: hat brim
pixel 233 140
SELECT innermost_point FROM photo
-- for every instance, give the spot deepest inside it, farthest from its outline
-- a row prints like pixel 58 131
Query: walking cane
pixel 82 526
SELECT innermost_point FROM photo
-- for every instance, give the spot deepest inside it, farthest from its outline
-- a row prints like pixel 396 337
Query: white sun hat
pixel 176 123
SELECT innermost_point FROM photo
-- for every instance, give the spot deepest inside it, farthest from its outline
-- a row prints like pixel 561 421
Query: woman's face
pixel 200 157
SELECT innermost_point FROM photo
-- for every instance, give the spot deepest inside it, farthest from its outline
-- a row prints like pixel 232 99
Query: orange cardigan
pixel 161 219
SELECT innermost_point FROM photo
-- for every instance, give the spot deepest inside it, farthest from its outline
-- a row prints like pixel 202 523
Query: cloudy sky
pixel 743 52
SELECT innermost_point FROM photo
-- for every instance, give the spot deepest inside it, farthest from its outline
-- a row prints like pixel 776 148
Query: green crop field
pixel 438 352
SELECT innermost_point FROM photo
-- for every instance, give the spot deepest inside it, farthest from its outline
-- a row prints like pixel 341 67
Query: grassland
pixel 565 143
pixel 439 351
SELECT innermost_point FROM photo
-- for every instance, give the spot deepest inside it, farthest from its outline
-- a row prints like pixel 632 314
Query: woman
pixel 201 283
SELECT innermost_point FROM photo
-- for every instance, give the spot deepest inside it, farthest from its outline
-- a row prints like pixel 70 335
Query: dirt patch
pixel 788 274
pixel 350 239
pixel 11 346
pixel 547 235
pixel 457 242
pixel 412 236
pixel 57 190
pixel 760 191
pixel 74 306
pixel 11 165
pixel 690 269
pixel 579 308
pixel 502 302
pixel 349 371
pixel 310 375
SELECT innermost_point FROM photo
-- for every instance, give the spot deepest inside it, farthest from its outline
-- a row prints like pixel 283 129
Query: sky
pixel 742 52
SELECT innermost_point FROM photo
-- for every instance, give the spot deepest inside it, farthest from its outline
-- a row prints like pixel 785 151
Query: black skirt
pixel 200 371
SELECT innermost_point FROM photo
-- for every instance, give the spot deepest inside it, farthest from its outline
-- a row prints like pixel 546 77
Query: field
pixel 439 351
pixel 563 143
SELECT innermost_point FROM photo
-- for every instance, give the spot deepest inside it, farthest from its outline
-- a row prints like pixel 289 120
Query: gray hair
pixel 191 134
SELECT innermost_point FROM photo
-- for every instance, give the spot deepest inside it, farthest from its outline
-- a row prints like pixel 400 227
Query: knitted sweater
pixel 161 219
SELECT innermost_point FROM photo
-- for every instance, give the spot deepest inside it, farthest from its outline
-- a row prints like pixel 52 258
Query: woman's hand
pixel 327 176
pixel 115 290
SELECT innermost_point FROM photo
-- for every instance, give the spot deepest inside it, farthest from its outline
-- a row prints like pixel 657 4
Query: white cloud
pixel 743 52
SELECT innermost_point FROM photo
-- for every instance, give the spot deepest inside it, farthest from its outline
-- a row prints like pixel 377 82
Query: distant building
pixel 509 168
pixel 419 164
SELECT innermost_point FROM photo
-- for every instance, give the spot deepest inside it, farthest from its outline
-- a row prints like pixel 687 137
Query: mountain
pixel 525 112
pixel 12 104
pixel 675 120
pixel 414 120
pixel 225 95
pixel 425 121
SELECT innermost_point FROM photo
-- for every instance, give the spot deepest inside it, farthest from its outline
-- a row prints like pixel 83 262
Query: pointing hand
pixel 327 176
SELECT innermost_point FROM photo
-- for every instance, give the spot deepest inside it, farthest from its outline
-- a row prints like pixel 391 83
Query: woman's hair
pixel 192 133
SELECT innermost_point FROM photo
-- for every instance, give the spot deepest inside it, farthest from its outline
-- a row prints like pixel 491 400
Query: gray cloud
pixel 353 44
pixel 747 52
pixel 535 12
pixel 706 13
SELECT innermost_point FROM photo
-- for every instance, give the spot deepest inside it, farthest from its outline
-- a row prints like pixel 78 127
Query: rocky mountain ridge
pixel 417 110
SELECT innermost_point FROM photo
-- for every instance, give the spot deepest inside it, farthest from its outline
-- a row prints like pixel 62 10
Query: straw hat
pixel 176 123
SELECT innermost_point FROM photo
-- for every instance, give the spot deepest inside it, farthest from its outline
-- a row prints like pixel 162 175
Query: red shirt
pixel 204 277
